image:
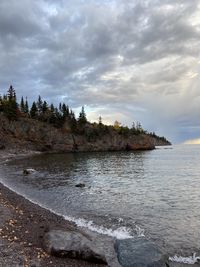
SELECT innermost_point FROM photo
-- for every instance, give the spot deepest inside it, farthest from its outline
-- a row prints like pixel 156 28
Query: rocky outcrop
pixel 139 252
pixel 35 135
pixel 160 141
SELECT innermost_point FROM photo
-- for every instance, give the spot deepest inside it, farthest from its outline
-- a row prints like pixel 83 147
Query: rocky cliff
pixel 35 135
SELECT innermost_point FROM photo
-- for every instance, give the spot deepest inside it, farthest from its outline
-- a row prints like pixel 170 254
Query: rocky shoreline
pixel 24 227
pixel 40 136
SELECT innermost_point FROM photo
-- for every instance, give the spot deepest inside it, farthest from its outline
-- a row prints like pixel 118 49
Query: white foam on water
pixel 187 260
pixel 120 220
pixel 139 231
pixel 119 233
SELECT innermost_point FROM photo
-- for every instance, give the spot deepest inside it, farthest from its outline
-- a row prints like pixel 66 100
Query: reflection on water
pixel 157 190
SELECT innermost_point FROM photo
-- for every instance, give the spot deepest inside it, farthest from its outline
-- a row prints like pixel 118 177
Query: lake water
pixel 152 193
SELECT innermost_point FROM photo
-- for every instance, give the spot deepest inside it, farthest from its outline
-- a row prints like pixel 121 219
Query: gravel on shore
pixel 22 226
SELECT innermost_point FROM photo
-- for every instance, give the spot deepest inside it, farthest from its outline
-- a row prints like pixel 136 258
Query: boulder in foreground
pixel 72 244
pixel 139 253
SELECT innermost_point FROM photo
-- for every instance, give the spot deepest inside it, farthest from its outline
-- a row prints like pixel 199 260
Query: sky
pixel 123 60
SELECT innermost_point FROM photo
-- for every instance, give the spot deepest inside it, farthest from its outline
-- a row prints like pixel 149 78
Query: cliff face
pixel 159 141
pixel 34 135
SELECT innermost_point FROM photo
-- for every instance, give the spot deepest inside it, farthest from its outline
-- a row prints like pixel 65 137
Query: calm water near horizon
pixel 156 191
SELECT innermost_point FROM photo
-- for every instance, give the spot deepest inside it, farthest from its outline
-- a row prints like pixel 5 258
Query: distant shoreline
pixel 33 135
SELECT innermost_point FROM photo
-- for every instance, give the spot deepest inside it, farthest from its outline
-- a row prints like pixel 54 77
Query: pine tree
pixel 10 106
pixel 73 121
pixel 44 107
pixel 100 120
pixel 11 93
pixel 22 105
pixel 52 117
pixel 39 106
pixel 65 111
pixel 82 117
pixel 26 108
pixel 60 107
pixel 139 128
pixel 34 111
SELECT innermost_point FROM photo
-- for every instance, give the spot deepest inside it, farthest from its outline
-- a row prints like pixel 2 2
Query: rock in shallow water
pixel 139 252
pixel 28 171
pixel 72 244
pixel 81 185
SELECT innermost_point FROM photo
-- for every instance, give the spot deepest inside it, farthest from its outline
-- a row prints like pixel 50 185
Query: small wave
pixel 187 260
pixel 120 220
pixel 139 231
pixel 119 233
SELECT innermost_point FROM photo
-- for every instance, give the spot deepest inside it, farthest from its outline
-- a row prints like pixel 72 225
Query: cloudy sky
pixel 125 60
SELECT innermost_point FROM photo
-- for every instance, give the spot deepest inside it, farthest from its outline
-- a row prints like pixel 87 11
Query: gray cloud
pixel 129 60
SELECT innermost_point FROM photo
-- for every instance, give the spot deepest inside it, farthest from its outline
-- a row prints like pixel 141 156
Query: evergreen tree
pixel 65 111
pixel 58 119
pixel 22 105
pixel 39 106
pixel 133 125
pixel 82 117
pixel 100 120
pixel 11 93
pixel 10 106
pixel 44 107
pixel 73 121
pixel 60 107
pixel 52 109
pixel 139 128
pixel 26 108
pixel 34 111
pixel 52 117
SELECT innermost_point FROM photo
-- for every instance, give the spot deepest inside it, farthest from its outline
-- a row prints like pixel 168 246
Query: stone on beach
pixel 28 171
pixel 72 244
pixel 139 252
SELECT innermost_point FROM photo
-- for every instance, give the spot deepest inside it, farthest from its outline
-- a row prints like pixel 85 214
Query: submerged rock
pixel 72 244
pixel 28 171
pixel 80 185
pixel 139 252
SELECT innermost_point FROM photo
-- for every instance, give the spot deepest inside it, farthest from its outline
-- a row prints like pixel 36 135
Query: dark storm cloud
pixel 140 57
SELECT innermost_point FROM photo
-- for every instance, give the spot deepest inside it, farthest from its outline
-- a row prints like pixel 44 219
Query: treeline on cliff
pixel 62 115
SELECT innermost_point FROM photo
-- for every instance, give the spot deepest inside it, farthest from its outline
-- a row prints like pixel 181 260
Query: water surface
pixel 157 191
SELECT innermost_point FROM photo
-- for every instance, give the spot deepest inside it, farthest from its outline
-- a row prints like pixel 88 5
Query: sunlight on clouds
pixel 195 18
pixel 121 76
pixel 192 142
pixel 82 74
pixel 191 74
